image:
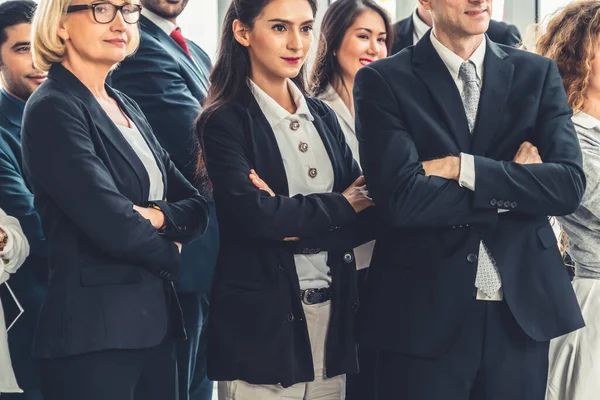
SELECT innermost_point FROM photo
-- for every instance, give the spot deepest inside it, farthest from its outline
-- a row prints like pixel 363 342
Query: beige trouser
pixel 322 388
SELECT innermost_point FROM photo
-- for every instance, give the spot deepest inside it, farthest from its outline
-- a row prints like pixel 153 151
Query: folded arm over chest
pixel 403 194
pixel 253 211
pixel 554 187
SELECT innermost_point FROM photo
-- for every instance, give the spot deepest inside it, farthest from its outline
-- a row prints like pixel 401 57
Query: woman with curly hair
pixel 572 39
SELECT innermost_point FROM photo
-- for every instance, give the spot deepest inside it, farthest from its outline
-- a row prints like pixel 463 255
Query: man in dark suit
pixel 19 80
pixel 467 287
pixel 168 78
pixel 409 30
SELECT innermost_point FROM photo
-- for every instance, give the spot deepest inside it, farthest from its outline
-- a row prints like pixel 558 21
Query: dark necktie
pixel 180 40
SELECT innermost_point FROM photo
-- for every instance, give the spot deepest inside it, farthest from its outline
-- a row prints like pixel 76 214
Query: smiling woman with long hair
pixel 288 196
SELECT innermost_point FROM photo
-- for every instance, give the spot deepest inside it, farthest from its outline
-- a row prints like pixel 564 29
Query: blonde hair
pixel 570 39
pixel 47 47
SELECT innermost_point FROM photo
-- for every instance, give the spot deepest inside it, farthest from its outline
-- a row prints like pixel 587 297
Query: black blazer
pixel 170 88
pixel 422 275
pixel 110 270
pixel 499 32
pixel 257 328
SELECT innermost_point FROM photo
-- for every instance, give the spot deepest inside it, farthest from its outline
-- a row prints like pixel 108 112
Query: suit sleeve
pixel 185 210
pixel 403 195
pixel 254 211
pixel 555 187
pixel 153 80
pixel 61 160
pixel 17 201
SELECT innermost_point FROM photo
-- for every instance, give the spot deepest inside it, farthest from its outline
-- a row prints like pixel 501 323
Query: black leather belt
pixel 315 296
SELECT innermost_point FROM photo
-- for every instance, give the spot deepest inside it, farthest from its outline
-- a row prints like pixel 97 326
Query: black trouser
pixel 492 359
pixel 191 352
pixel 146 374
pixel 361 386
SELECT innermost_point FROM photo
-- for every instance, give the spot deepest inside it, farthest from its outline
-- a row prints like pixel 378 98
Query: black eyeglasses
pixel 105 13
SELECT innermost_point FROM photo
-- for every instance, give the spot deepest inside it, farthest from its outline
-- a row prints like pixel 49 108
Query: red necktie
pixel 180 40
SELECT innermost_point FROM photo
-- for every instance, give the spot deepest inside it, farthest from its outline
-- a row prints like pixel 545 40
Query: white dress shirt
pixel 362 253
pixel 138 144
pixel 420 28
pixel 294 132
pixel 15 253
pixel 467 166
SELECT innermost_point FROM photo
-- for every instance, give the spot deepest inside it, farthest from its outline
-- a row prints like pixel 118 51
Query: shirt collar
pixel 333 100
pixel 163 24
pixel 454 61
pixel 273 111
pixel 585 120
pixel 420 28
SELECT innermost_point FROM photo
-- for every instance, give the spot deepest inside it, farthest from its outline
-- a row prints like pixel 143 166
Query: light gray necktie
pixel 488 277
pixel 471 90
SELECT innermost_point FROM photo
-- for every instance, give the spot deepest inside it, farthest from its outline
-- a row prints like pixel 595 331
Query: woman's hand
pixel 262 185
pixel 155 216
pixel 259 183
pixel 358 196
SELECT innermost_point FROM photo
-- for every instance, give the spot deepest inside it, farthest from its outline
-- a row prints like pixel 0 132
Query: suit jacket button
pixel 290 317
pixel 472 258
pixel 493 202
pixel 506 204
pixel 355 307
pixel 348 258
pixel 305 251
pixel 513 204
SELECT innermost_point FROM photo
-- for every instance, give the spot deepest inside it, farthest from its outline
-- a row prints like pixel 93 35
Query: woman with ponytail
pixel 290 200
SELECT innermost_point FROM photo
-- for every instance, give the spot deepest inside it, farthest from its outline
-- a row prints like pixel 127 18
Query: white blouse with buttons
pixel 307 167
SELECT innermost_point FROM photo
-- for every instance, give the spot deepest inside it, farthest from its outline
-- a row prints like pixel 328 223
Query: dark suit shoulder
pixel 518 56
pixel 503 33
pixel 51 96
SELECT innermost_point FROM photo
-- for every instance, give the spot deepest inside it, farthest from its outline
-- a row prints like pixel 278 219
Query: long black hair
pixel 229 77
pixel 337 20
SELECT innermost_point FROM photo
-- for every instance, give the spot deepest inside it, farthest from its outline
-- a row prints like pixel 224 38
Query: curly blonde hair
pixel 570 39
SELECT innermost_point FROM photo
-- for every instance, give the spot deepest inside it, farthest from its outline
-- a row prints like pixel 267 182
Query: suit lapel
pixel 145 130
pixel 404 35
pixel 435 75
pixel 170 45
pixel 267 156
pixel 497 83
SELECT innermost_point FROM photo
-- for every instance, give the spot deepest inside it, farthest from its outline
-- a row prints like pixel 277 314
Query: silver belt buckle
pixel 307 293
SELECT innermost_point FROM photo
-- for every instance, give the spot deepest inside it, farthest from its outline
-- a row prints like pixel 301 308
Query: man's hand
pixel 527 154
pixel 447 167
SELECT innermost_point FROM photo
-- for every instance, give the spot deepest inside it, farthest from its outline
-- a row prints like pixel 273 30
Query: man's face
pixel 18 74
pixel 168 9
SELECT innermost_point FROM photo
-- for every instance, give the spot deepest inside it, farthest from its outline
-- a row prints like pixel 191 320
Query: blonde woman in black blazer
pixel 114 209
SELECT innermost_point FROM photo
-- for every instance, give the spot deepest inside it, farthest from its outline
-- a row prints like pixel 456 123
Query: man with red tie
pixel 168 78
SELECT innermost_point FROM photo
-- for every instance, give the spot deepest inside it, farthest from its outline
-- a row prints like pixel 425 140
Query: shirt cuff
pixel 466 177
